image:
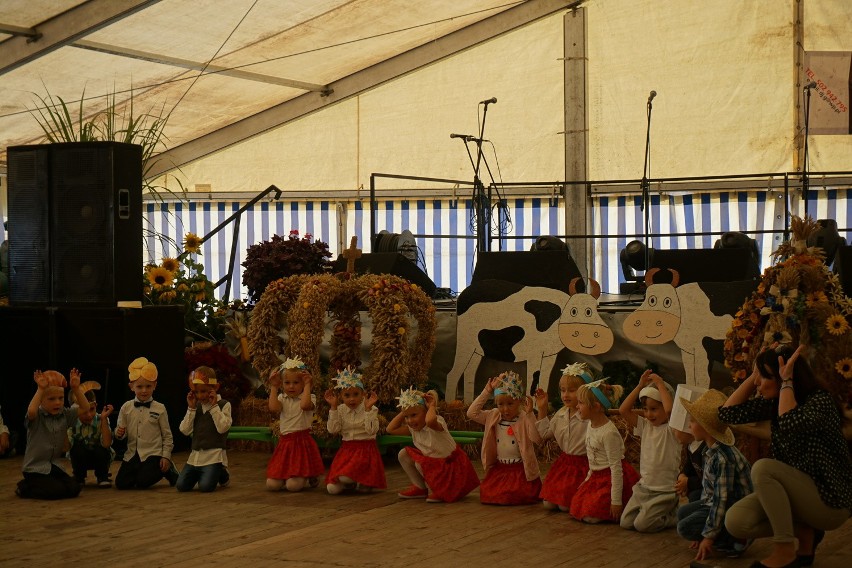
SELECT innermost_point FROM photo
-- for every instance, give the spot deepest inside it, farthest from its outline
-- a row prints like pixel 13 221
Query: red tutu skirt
pixel 564 477
pixel 506 484
pixel 593 497
pixel 448 479
pixel 296 455
pixel 360 461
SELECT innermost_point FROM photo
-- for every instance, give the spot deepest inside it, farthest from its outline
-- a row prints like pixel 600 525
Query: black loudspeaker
pixel 843 267
pixel 390 263
pixel 707 265
pixel 75 223
pixel 547 268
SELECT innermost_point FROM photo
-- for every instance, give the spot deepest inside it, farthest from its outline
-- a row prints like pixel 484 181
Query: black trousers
pixel 136 474
pixel 84 458
pixel 54 485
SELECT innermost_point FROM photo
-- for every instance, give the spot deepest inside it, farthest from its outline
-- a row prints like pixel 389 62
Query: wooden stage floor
pixel 245 526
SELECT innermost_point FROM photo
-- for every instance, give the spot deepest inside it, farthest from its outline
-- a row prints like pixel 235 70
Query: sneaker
pixel 172 474
pixel 103 483
pixel 412 492
pixel 432 499
pixel 225 477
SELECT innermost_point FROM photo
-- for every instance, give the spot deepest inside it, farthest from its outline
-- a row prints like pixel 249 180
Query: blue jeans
pixel 691 519
pixel 206 476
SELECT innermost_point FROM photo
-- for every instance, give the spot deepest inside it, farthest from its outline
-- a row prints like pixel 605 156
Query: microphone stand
pixel 805 165
pixel 646 185
pixel 481 202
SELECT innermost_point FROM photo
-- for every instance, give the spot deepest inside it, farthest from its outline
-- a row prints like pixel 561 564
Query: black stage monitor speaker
pixel 706 265
pixel 546 268
pixel 75 223
pixel 843 268
pixel 390 263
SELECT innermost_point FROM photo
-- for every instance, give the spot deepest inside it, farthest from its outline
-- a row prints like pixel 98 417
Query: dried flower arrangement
pixel 799 300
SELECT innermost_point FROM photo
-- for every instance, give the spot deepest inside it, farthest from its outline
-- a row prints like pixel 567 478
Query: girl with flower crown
pixel 438 468
pixel 609 483
pixel 571 467
pixel 357 464
pixel 512 475
pixel 297 461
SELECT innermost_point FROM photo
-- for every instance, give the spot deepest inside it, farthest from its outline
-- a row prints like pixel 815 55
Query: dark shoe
pixel 808 559
pixel 225 477
pixel 172 474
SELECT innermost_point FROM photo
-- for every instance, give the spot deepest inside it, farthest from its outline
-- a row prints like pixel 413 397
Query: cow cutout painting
pixel 514 323
pixel 680 314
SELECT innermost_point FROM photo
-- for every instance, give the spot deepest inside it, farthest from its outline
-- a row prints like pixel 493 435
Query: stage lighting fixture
pixel 632 258
pixel 736 239
pixel 827 238
pixel 548 242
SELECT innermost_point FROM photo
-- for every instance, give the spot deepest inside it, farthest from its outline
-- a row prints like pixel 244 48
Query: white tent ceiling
pixel 225 70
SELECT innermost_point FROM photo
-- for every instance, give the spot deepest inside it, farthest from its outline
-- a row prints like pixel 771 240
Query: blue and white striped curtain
pixel 444 233
pixel 442 228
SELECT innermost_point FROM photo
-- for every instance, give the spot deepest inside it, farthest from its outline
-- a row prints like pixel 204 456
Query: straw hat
pixel 705 411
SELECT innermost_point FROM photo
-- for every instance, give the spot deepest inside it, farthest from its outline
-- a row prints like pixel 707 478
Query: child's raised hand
pixel 275 379
pixel 540 397
pixel 107 410
pixel 75 378
pixel 330 397
pixel 528 403
pixel 190 399
pixel 430 400
pixel 308 381
pixel 493 383
pixel 40 379
pixel 213 398
pixel 647 378
pixel 371 400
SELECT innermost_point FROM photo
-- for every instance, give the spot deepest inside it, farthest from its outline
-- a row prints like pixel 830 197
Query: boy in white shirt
pixel 653 505
pixel 144 422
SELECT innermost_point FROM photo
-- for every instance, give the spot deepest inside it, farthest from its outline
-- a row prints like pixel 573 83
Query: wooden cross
pixel 350 254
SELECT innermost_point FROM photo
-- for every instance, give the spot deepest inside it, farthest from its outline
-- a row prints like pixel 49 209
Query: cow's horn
pixel 649 276
pixel 572 287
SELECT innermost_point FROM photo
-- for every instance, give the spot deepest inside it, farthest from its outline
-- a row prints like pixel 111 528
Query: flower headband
pixel 580 370
pixel 510 384
pixel 594 386
pixel 291 364
pixel 348 378
pixel 410 397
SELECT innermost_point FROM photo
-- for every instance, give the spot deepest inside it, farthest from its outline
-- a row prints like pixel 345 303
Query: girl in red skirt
pixel 611 478
pixel 512 476
pixel 297 461
pixel 357 463
pixel 571 467
pixel 438 468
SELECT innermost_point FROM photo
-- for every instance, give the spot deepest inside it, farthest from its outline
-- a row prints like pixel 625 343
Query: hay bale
pixel 253 412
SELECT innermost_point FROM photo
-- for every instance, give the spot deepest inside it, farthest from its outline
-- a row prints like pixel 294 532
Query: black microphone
pixel 651 96
pixel 462 136
pixel 810 85
pixel 492 100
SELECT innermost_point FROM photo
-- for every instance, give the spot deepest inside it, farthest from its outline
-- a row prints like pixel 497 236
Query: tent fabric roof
pixel 210 64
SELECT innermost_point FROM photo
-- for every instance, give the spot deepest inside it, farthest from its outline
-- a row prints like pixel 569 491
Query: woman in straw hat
pixel 805 489
pixel 726 479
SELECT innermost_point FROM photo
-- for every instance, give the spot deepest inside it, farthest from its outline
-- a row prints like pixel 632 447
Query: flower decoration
pixel 348 378
pixel 798 301
pixel 410 397
pixel 181 281
pixel 291 363
pixel 844 368
pixel 837 325
pixel 576 369
pixel 510 384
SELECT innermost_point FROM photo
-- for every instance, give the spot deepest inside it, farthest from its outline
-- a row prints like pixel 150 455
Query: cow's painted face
pixel 581 328
pixel 657 320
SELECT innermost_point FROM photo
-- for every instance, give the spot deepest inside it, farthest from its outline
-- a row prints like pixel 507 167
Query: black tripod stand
pixel 646 184
pixel 805 165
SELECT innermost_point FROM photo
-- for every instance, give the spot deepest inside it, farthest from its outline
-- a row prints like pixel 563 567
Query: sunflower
pixel 170 264
pixel 191 243
pixel 159 276
pixel 837 325
pixel 844 367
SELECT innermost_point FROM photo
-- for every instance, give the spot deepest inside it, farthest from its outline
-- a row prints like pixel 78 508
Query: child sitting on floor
pixel 726 480
pixel 47 424
pixel 357 463
pixel 91 439
pixel 207 420
pixel 297 461
pixel 571 467
pixel 437 467
pixel 653 506
pixel 607 486
pixel 512 475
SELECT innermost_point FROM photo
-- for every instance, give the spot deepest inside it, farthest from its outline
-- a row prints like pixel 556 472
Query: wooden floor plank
pixel 245 525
